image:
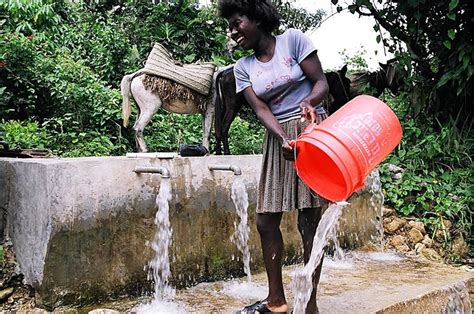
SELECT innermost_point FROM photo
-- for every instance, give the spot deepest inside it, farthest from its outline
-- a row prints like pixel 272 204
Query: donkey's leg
pixel 229 117
pixel 149 103
pixel 217 103
pixel 208 118
pixel 218 116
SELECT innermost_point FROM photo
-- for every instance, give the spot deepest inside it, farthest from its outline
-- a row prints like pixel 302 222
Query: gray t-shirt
pixel 280 82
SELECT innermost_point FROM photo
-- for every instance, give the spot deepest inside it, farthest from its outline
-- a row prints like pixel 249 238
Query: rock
pixel 431 255
pixel 415 235
pixel 447 224
pixel 419 247
pixel 387 212
pixel 394 225
pixel 418 225
pixel 397 176
pixel 5 293
pixel 460 247
pixel 427 241
pixel 402 248
pixel 397 241
pixel 394 169
pixel 439 236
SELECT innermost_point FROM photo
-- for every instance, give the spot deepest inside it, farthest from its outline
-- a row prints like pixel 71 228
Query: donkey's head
pixel 339 88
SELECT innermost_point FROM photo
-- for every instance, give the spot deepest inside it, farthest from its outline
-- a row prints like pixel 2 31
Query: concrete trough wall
pixel 81 227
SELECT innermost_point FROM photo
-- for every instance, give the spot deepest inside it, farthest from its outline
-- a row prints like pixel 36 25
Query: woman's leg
pixel 268 226
pixel 308 220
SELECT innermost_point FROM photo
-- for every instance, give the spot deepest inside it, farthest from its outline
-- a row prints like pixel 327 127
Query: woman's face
pixel 244 31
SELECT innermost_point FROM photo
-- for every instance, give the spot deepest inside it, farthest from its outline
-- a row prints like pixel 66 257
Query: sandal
pixel 259 306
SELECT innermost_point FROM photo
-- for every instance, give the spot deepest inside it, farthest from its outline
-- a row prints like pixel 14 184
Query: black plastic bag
pixel 189 150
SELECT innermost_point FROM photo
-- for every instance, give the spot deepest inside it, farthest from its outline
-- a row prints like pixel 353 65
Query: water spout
pixel 235 169
pixel 165 173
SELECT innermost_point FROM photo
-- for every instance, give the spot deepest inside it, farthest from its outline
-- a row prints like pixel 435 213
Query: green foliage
pixel 104 49
pixel 432 42
pixel 47 84
pixel 2 255
pixel 167 131
pixel 30 16
pixel 299 18
pixel 356 62
pixel 189 33
pixel 66 139
pixel 245 138
pixel 57 135
pixel 23 134
pixel 437 181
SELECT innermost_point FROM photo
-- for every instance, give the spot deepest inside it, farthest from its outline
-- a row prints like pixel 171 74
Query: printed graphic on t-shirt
pixel 288 61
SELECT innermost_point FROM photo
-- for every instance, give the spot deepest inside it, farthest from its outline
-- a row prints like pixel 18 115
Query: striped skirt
pixel 280 189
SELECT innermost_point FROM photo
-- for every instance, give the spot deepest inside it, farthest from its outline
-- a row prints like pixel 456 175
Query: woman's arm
pixel 311 67
pixel 264 114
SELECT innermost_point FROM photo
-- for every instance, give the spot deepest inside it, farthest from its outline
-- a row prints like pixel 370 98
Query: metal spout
pixel 165 173
pixel 235 169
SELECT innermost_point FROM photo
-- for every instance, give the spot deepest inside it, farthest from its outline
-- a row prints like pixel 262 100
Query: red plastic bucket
pixel 334 157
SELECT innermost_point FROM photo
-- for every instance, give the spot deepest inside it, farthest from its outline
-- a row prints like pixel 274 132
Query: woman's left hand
pixel 308 112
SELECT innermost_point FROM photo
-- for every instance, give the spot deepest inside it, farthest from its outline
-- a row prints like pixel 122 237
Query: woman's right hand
pixel 288 149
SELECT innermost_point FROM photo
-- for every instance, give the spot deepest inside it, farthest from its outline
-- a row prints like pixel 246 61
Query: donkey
pixel 385 77
pixel 228 103
pixel 139 85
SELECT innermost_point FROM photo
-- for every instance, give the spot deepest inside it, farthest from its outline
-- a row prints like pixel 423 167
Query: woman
pixel 283 81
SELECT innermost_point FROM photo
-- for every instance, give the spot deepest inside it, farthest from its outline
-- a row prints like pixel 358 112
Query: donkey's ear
pixel 343 70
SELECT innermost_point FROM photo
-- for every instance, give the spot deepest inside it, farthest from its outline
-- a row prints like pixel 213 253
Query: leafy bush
pixel 168 130
pixel 48 83
pixel 23 135
pixel 245 138
pixel 437 181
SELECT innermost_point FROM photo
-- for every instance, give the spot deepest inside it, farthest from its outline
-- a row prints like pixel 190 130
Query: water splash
pixel 302 283
pixel 160 264
pixel 241 235
pixel 376 203
pixel 245 290
pixel 159 306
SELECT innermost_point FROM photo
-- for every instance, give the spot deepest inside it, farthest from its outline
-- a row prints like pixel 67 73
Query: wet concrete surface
pixel 362 283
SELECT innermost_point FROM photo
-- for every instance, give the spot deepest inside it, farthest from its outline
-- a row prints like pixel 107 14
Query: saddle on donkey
pixel 169 77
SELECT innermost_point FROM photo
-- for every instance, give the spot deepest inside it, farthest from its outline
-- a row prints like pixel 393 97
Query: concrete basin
pixel 80 227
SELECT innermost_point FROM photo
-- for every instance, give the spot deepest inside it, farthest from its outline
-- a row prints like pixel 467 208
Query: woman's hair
pixel 257 10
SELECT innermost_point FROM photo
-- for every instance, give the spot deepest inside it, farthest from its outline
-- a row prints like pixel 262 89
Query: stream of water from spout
pixel 241 235
pixel 302 283
pixel 159 266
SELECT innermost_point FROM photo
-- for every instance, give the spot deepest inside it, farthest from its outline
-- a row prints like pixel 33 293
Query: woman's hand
pixel 288 148
pixel 308 112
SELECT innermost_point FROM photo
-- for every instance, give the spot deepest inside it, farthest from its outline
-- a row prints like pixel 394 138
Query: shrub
pixel 23 135
pixel 437 182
